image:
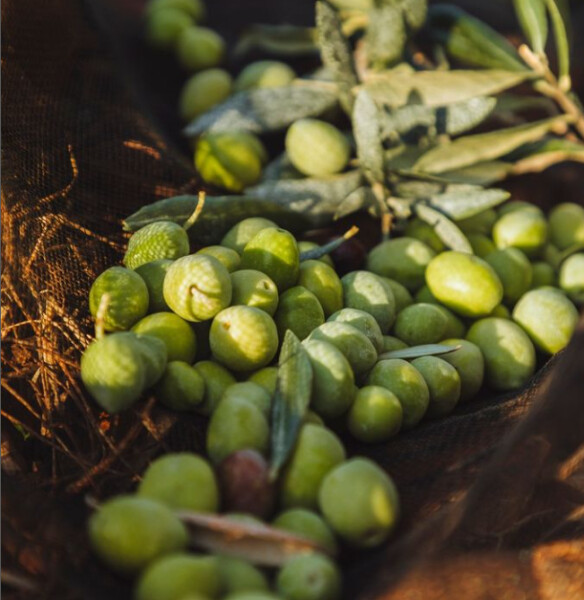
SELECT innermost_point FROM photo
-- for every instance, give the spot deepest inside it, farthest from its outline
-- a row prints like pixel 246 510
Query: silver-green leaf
pixel 446 230
pixel 417 351
pixel 281 40
pixel 386 35
pixel 462 204
pixel 367 131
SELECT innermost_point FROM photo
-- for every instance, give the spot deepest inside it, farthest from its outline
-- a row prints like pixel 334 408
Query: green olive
pixel 203 91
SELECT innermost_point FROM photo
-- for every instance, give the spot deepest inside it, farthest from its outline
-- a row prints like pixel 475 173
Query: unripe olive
pixel 154 356
pixel 481 244
pixel 455 328
pixel 253 393
pixel 243 338
pixel 444 384
pixel 309 525
pixel 480 223
pixel 153 274
pixel 391 343
pixel 548 317
pixel 324 283
pixel 181 387
pixel 508 352
pixel 230 259
pixel 514 270
pixel 161 239
pixel 420 230
pixel 403 259
pixel 401 294
pixel 552 255
pixel 515 205
pixel 363 321
pixel 464 283
pixel 230 160
pixel 181 481
pixel 523 229
pixel 421 324
pixel 179 576
pixel 254 288
pixel 500 311
pixel 128 533
pixel 406 382
pixel 264 74
pixel 197 287
pixel 273 251
pixel 164 27
pixel 299 311
pixel 426 296
pixel 360 502
pixel 317 148
pixel 469 363
pixel 217 379
pixel 267 378
pixel 572 277
pixel 241 233
pixel 199 48
pixel 128 298
pixel 203 91
pixel 566 224
pixel 316 452
pixel 193 8
pixel 543 274
pixel 309 577
pixel 237 575
pixel 376 414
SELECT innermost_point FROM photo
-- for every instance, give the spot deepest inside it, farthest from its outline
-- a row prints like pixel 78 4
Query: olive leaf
pixel 470 40
pixel 367 132
pixel 440 88
pixel 562 43
pixel 414 12
pixel 336 53
pixel 472 149
pixel 417 351
pixel 402 157
pixel 538 156
pixel 462 204
pixel 281 40
pixel 446 230
pixel 219 215
pixel 482 173
pixel 293 389
pixel 267 109
pixel 280 168
pixel 386 34
pixel 533 19
pixel 316 198
pixel 358 199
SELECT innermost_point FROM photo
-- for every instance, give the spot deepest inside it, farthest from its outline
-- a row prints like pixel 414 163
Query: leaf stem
pixel 198 210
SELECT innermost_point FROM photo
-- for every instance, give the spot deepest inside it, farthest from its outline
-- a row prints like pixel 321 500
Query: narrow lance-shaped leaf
pixel 417 351
pixel 291 400
pixel 446 230
pixel 386 34
pixel 472 149
pixel 483 173
pixel 463 204
pixel 366 129
pixel 282 40
pixel 562 43
pixel 540 155
pixel 533 19
pixel 267 109
pixel 336 53
pixel 361 198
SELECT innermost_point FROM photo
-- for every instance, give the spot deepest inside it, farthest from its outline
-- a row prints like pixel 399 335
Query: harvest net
pixel 493 496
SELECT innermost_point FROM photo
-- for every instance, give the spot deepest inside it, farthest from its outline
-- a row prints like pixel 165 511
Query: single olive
pixel 199 48
pixel 264 74
pixel 202 91
pixel 421 324
pixel 181 387
pixel 443 382
pixel 322 280
pixel 376 415
pixel 153 274
pixel 469 363
pixel 309 577
pixel 254 288
pixel 299 311
pixel 161 239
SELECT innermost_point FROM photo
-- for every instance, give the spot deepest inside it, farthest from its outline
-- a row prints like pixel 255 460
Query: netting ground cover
pixel 493 496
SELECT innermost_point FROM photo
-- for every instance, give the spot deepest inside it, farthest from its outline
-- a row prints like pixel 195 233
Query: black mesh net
pixel 492 496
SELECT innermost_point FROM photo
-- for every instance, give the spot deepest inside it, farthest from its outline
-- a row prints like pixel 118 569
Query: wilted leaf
pixel 291 399
pixel 466 203
pixel 267 109
pixel 317 199
pixel 366 129
pixel 439 88
pixel 533 19
pixel 562 43
pixel 386 35
pixel 446 230
pixel 472 149
pixel 219 215
pixel 336 53
pixel 470 40
pixel 417 351
pixel 282 40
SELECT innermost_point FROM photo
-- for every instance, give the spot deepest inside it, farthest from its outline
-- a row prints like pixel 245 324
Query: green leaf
pixel 472 149
pixel 219 215
pixel 281 40
pixel 417 351
pixel 483 173
pixel 267 109
pixel 533 19
pixel 386 35
pixel 291 400
pixel 439 88
pixel 336 53
pixel 471 41
pixel 366 129
pixel 562 44
pixel 318 199
pixel 360 198
pixel 466 203
pixel 538 156
pixel 446 230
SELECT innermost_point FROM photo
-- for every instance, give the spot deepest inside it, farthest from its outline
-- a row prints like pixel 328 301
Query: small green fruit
pixel 154 356
pixel 523 229
pixel 199 48
pixel 391 343
pixel 316 452
pixel 161 239
pixel 251 392
pixel 317 148
pixel 241 233
pixel 309 525
pixel 406 382
pixel 299 311
pixel 322 280
pixel 237 575
pixel 572 277
pixel 403 259
pixel 230 259
pixel 401 294
pixel 203 91
pixel 566 223
pixel 481 244
pixel 376 415
pixel 508 352
pixel 464 283
pixel 194 8
pixel 128 298
pixel 181 481
pixel 197 287
pixel 264 74
pixel 243 338
pixel 153 274
pixel 444 384
pixel 362 321
pixel 181 387
pixel 254 288
pixel 515 205
pixel 421 324
pixel 480 223
pixel 425 295
pixel 548 317
pixel 469 363
pixel 164 27
pixel 455 328
pixel 273 251
pixel 543 274
pixel 217 379
pixel 128 533
pixel 420 230
pixel 360 502
pixel 514 270
pixel 309 577
pixel 267 378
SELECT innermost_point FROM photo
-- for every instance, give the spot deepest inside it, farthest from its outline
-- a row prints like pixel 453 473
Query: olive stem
pixel 198 210
pixel 316 253
pixel 100 316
